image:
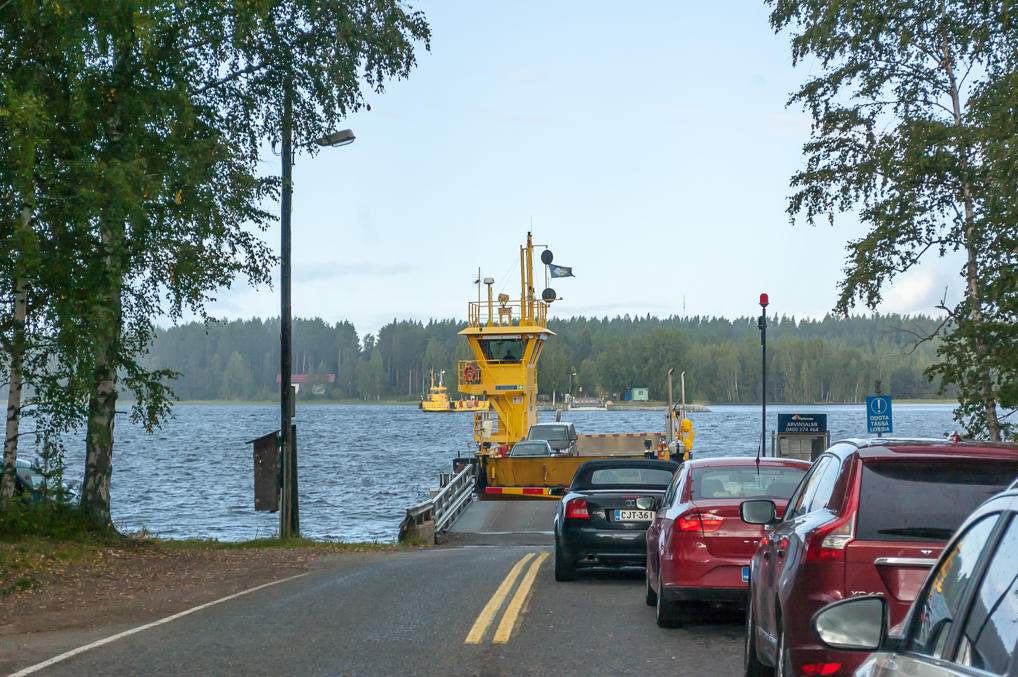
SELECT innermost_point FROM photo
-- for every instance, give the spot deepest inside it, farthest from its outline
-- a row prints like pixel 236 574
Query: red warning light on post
pixel 764 300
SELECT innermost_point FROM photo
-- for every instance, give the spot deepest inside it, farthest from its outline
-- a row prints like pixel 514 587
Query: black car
pixel 602 520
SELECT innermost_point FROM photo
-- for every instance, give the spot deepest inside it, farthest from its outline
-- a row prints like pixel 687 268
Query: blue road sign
pixel 878 414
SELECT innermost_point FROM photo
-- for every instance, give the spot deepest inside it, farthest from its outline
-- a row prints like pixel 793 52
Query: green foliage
pixel 827 360
pixel 129 179
pixel 45 518
pixel 913 131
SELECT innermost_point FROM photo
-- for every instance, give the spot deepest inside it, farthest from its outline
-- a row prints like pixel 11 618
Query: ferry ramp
pixel 509 522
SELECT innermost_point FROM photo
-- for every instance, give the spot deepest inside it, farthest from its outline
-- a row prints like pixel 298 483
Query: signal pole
pixel 762 324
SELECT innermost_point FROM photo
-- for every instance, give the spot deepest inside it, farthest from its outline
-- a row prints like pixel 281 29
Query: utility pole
pixel 287 510
pixel 289 513
pixel 762 324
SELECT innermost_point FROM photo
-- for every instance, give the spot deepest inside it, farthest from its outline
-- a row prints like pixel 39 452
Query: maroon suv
pixel 870 517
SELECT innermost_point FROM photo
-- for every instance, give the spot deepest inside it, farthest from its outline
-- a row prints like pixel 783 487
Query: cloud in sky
pixel 322 270
pixel 651 150
pixel 921 290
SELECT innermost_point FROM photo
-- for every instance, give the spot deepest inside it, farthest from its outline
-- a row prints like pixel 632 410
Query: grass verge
pixel 43 540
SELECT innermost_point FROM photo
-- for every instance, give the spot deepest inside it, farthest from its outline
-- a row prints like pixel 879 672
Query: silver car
pixel 964 621
pixel 527 448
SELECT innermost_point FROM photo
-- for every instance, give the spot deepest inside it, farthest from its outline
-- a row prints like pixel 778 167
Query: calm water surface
pixel 361 466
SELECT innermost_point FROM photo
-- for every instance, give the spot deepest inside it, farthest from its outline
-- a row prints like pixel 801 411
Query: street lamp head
pixel 764 300
pixel 340 138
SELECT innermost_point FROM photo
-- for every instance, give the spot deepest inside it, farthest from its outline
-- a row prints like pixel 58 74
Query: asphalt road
pixel 459 610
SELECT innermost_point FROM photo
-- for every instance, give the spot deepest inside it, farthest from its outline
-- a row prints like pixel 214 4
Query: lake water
pixel 361 466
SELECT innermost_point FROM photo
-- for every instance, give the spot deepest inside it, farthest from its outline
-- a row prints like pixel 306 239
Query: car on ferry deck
pixel 869 518
pixel 698 550
pixel 531 448
pixel 561 436
pixel 962 623
pixel 603 517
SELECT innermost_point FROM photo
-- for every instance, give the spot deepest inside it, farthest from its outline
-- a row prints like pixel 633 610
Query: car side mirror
pixel 557 491
pixel 646 503
pixel 856 624
pixel 758 511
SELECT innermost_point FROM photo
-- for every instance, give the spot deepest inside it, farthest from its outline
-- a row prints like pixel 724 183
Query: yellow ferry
pixel 505 339
pixel 438 399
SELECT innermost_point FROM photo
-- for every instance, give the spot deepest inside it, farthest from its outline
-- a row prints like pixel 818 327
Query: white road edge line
pixel 74 652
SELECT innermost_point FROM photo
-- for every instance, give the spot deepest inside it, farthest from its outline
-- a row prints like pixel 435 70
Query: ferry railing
pixel 436 515
pixel 507 314
pixel 491 372
pixel 484 432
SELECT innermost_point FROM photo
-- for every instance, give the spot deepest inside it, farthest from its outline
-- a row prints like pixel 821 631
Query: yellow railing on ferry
pixel 506 314
pixel 479 428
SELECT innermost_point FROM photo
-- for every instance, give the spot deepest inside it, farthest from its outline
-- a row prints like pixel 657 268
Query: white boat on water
pixel 586 404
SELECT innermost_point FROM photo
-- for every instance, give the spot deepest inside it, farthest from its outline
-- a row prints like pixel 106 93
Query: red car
pixel 698 550
pixel 870 518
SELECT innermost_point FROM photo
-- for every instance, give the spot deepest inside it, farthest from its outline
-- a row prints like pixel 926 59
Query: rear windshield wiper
pixel 937 533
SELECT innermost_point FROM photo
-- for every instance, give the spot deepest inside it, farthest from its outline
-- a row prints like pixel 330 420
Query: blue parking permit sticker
pixel 745 574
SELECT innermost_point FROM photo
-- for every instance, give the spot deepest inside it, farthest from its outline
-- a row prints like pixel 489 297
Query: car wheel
pixel 783 667
pixel 651 597
pixel 565 568
pixel 669 613
pixel 751 662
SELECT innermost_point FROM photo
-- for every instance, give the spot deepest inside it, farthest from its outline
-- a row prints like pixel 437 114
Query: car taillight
pixel 821 668
pixel 827 543
pixel 577 508
pixel 696 521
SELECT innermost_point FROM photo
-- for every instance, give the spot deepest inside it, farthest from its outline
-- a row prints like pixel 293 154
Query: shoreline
pixel 544 407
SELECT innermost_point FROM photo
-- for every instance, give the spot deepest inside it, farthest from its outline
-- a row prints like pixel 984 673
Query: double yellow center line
pixel 512 612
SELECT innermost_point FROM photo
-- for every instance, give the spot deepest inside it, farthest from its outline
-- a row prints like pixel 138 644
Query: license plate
pixel 634 515
pixel 745 574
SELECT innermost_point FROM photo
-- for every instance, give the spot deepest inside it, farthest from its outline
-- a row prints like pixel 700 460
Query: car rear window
pixel 629 477
pixel 744 482
pixel 529 449
pixel 925 500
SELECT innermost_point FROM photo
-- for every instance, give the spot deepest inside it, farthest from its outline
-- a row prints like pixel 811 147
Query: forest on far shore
pixel 830 360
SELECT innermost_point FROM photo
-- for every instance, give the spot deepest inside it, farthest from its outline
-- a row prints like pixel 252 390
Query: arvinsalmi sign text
pixel 802 423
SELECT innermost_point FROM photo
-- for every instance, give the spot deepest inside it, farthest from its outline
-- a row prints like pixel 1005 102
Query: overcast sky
pixel 648 144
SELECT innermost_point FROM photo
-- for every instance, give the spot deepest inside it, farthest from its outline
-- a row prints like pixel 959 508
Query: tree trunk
pixel 974 304
pixel 107 325
pixel 14 395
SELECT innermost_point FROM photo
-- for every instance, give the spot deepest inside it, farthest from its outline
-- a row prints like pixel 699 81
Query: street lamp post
pixel 289 515
pixel 571 375
pixel 762 324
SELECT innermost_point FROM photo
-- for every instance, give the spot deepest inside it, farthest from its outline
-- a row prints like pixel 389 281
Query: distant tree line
pixel 830 360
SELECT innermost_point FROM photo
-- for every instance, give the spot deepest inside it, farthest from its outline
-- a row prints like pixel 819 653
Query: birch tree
pixel 157 196
pixel 903 136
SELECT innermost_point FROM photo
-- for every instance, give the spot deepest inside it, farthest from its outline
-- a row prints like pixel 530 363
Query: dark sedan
pixel 603 518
